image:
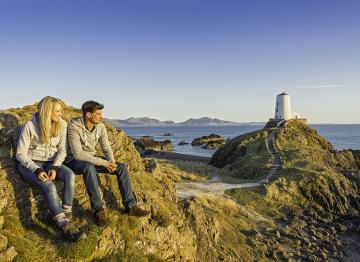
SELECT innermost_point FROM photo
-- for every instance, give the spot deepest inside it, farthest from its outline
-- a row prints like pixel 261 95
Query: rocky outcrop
pixel 148 143
pixel 214 144
pixel 209 142
pixel 182 143
pixel 27 230
pixel 245 156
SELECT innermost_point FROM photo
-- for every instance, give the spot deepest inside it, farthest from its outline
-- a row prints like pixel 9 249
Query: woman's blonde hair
pixel 48 128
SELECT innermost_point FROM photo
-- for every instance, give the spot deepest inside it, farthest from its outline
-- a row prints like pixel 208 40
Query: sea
pixel 341 136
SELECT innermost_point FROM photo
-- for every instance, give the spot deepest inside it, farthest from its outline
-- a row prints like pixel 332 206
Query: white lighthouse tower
pixel 283 108
pixel 283 112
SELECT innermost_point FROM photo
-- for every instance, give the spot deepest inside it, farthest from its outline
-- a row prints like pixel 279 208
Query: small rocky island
pixel 148 143
pixel 211 141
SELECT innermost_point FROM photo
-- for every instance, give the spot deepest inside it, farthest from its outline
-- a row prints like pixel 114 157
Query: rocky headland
pixel 307 210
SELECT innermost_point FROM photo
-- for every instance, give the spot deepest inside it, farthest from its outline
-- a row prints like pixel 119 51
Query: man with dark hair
pixel 91 106
pixel 83 135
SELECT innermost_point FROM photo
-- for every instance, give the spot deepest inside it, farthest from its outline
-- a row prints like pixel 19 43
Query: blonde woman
pixel 41 151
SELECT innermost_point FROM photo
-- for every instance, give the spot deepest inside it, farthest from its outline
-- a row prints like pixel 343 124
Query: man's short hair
pixel 91 106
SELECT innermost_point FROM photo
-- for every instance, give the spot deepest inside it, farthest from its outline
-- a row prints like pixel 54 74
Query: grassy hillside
pixel 314 196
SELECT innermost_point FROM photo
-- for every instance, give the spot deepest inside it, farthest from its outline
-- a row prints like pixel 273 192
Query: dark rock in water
pixel 214 139
pixel 183 143
pixel 147 142
pixel 168 134
pixel 150 165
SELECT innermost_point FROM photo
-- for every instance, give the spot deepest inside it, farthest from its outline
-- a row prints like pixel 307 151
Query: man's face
pixel 95 117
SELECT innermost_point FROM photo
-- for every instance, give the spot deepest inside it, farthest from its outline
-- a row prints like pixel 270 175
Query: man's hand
pixel 43 176
pixel 111 166
pixel 52 174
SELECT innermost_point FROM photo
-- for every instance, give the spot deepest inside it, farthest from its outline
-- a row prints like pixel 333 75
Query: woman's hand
pixel 43 176
pixel 51 174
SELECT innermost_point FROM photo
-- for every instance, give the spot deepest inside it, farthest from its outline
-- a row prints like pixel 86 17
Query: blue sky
pixel 181 59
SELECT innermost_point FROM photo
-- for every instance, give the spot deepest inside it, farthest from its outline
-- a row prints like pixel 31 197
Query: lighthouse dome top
pixel 283 94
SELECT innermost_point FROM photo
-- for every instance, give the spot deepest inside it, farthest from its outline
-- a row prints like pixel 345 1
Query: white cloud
pixel 316 86
pixel 307 87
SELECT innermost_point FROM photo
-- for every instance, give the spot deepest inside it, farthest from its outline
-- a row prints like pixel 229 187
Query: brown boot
pixel 100 217
pixel 137 211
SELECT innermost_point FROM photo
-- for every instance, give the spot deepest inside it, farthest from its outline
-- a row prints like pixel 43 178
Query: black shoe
pixel 72 234
pixel 100 217
pixel 136 211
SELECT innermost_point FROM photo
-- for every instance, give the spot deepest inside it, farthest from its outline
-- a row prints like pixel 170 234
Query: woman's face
pixel 57 113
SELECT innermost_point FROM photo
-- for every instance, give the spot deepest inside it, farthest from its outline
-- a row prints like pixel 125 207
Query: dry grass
pixel 184 170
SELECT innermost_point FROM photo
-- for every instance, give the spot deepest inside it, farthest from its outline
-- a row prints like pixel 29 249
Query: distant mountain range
pixel 203 121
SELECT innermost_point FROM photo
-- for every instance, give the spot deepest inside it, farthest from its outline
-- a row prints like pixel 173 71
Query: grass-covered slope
pixel 313 170
pixel 245 156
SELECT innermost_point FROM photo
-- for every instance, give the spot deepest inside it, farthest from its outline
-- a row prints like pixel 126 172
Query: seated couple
pixel 42 156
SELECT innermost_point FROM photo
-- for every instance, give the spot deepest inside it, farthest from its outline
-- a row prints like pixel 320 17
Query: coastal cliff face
pixel 308 210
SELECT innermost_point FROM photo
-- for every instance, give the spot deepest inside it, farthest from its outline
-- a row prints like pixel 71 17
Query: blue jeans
pixel 89 172
pixel 64 174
